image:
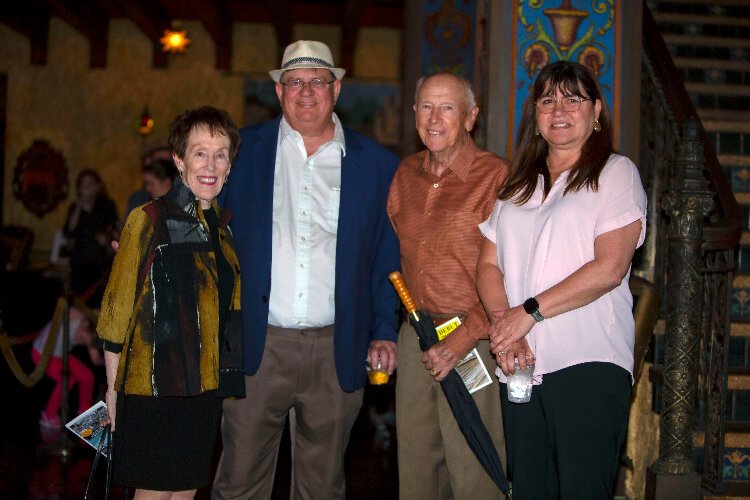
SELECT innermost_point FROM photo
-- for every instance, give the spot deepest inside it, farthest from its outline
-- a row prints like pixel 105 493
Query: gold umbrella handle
pixel 403 293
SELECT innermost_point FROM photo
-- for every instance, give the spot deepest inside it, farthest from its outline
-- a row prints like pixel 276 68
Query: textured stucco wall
pixel 90 115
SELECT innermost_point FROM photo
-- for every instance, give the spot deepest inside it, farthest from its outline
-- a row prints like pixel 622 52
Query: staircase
pixel 710 44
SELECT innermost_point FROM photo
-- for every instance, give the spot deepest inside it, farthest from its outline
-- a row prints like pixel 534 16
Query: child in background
pixel 80 333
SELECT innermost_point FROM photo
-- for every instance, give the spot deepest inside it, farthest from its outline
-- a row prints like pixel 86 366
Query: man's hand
pixel 383 351
pixel 439 360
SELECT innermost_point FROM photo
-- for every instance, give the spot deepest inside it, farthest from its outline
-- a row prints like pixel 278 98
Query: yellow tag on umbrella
pixel 447 327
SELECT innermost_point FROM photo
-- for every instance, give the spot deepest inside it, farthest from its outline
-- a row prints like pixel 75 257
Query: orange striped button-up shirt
pixel 436 220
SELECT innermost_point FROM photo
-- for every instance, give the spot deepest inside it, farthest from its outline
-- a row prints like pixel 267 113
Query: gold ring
pixel 528 356
pixel 501 353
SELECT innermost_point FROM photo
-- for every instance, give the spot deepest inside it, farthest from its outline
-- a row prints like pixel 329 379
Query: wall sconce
pixel 145 123
pixel 174 41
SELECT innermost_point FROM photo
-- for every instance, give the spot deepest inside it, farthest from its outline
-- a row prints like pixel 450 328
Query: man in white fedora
pixel 315 246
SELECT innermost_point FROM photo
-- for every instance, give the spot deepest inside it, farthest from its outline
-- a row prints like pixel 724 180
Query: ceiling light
pixel 174 41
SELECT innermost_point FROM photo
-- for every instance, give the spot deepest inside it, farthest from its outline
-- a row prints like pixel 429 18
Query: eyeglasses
pixel 569 104
pixel 315 84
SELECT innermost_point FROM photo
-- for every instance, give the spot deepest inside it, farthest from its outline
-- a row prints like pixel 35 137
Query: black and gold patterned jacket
pixel 160 308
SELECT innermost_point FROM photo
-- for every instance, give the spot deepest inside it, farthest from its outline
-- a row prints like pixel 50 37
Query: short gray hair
pixel 471 100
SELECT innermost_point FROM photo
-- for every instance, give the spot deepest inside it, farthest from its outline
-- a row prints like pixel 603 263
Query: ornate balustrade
pixel 694 229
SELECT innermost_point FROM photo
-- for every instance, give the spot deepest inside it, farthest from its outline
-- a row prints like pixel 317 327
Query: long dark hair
pixel 530 158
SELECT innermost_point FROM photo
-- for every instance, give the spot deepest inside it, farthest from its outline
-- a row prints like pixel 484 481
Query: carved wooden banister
pixel 694 223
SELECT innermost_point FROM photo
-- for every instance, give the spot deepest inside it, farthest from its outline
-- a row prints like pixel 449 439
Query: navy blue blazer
pixel 366 306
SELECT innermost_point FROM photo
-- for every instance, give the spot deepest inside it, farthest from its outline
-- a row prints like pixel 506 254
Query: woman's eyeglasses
pixel 570 104
pixel 315 84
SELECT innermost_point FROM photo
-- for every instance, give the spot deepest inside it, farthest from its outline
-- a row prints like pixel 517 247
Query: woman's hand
pixel 110 398
pixel 509 326
pixel 520 350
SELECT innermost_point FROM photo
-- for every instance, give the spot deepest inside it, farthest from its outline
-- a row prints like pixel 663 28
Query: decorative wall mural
pixel 571 30
pixel 40 179
pixel 450 27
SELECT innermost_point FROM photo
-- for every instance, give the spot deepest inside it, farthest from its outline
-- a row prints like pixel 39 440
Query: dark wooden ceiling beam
pixel 30 19
pixel 387 14
pixel 88 19
pixel 283 23
pixel 39 39
pixel 216 19
pixel 349 33
pixel 152 20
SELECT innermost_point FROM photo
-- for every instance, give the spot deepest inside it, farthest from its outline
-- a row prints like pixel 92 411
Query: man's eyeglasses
pixel 315 84
pixel 570 104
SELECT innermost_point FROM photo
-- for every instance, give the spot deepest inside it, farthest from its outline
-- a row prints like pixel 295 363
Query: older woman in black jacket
pixel 168 318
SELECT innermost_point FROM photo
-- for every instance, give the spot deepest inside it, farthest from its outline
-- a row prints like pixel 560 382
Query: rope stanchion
pixel 7 343
pixel 88 313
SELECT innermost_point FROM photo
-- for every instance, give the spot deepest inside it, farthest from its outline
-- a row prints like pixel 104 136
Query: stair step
pixel 743 199
pixel 679 18
pixel 703 63
pixel 706 41
pixel 737 328
pixel 733 127
pixel 735 115
pixel 734 160
pixel 717 88
pixel 731 439
pixel 740 3
pixel 739 380
pixel 733 490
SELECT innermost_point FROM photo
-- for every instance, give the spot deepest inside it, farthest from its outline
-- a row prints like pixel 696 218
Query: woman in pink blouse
pixel 553 276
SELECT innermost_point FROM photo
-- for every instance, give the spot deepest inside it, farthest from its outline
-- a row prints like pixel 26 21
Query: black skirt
pixel 165 443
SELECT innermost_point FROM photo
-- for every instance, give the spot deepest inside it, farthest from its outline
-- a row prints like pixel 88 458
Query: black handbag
pixel 106 440
pixel 231 356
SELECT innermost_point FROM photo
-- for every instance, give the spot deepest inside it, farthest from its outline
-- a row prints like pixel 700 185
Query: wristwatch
pixel 531 306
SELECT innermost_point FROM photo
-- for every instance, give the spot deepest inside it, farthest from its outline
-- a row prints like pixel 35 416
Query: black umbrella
pixel 462 405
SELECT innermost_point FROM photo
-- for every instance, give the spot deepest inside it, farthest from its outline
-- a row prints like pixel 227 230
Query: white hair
pixel 470 98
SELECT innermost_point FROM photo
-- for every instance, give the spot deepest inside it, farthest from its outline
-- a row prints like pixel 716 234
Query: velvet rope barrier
pixel 7 342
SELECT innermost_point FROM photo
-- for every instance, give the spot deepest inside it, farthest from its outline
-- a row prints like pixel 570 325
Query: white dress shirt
pixel 306 194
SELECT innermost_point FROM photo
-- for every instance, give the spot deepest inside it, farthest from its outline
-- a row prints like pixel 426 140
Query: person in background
pixel 313 238
pixel 158 177
pixel 437 198
pixel 90 227
pixel 553 275
pixel 169 314
pixel 81 333
pixel 159 173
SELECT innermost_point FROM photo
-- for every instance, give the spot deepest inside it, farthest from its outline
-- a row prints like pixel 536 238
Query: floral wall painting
pixel 572 30
pixel 450 27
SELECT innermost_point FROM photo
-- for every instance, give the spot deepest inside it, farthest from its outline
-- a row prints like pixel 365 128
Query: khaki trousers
pixel 434 460
pixel 297 372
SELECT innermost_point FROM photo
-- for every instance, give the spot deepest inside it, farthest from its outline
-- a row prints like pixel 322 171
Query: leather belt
pixel 319 331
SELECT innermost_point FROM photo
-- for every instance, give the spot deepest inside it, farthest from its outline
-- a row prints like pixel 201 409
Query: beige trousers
pixel 297 372
pixel 434 460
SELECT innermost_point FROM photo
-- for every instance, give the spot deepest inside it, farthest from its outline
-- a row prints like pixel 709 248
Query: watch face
pixel 531 305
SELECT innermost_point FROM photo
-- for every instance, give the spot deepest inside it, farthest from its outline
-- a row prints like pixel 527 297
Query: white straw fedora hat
pixel 307 54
